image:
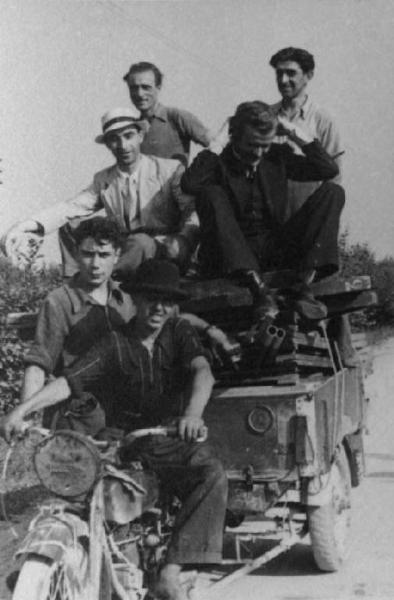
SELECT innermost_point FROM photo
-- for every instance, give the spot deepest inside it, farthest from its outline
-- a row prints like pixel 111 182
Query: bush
pixel 358 259
pixel 20 291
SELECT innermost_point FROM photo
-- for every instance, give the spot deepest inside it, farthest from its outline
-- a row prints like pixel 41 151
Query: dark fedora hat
pixel 156 277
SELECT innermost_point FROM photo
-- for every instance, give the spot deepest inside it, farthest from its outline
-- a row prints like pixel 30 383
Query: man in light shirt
pixel 171 129
pixel 294 68
pixel 141 193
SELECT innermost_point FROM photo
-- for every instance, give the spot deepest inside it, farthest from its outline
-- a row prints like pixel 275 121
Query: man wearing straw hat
pixel 166 378
pixel 141 193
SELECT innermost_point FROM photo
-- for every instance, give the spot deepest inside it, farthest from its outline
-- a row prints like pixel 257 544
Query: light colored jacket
pixel 162 207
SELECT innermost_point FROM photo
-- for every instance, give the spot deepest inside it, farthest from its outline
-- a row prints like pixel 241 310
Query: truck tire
pixel 329 525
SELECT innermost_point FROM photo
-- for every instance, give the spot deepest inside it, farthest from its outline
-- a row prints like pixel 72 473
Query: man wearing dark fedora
pixel 160 362
pixel 141 193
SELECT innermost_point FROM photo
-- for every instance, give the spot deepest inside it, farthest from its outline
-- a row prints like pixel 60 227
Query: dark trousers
pixel 308 240
pixel 192 472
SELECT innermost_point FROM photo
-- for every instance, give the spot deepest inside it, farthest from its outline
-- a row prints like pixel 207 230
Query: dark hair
pixel 257 115
pixel 101 229
pixel 141 67
pixel 298 55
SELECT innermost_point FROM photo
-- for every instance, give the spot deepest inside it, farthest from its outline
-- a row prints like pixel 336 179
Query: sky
pixel 62 64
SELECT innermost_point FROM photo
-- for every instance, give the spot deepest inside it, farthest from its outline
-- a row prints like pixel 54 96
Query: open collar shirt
pixel 70 321
pixel 152 382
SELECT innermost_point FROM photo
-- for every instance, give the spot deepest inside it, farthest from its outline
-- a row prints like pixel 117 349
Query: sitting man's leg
pixel 308 243
pixel 193 473
pixel 138 248
pixel 224 248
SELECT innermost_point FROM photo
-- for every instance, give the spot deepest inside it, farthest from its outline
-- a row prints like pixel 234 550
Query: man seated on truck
pixel 242 203
pixel 160 362
pixel 141 193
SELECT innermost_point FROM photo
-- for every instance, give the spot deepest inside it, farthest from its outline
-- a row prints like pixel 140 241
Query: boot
pixel 264 301
pixel 307 305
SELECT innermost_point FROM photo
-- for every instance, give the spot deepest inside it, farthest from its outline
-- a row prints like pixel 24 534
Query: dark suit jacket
pixel 274 169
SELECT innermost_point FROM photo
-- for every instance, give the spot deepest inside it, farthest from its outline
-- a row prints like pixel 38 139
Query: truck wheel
pixel 329 525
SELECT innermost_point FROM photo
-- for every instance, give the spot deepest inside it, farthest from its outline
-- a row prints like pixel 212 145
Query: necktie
pixel 130 203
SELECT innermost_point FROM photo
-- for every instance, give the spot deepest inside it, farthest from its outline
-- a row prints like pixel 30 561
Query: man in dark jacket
pixel 243 207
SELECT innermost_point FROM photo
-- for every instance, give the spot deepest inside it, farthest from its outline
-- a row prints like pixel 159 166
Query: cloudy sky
pixel 62 62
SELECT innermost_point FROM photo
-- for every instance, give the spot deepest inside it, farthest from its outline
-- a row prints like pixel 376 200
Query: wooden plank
pixel 347 303
pixel 336 285
pixel 214 294
pixel 279 379
pixel 312 341
pixel 22 320
pixel 305 360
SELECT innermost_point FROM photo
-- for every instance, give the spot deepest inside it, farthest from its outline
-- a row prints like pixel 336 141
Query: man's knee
pixel 333 193
pixel 212 467
pixel 138 248
pixel 141 243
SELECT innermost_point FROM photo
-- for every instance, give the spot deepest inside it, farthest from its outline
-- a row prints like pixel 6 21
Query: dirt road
pixel 369 573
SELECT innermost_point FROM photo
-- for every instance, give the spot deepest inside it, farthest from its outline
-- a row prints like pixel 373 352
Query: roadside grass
pixel 378 335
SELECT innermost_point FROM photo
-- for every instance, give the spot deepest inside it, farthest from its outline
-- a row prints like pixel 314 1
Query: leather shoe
pixel 308 306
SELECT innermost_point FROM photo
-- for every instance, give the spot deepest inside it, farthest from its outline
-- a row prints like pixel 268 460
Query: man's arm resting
pixel 56 391
pixel 191 423
pixel 33 381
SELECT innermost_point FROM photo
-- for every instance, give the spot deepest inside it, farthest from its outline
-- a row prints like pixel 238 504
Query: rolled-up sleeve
pixel 51 330
pixel 187 342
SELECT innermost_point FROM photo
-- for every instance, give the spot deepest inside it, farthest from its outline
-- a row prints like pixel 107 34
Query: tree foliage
pixel 358 259
pixel 20 291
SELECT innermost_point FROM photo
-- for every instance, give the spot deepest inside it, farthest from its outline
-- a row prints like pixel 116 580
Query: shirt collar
pixel 236 165
pixel 162 338
pixel 160 112
pixel 302 110
pixel 79 298
pixel 127 176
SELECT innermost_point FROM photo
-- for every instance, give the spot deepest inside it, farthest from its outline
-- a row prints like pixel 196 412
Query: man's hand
pixel 12 424
pixel 221 345
pixel 173 247
pixel 22 242
pixel 293 132
pixel 190 428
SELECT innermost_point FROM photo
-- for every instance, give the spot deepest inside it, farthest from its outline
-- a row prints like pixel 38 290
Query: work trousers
pixel 308 240
pixel 191 471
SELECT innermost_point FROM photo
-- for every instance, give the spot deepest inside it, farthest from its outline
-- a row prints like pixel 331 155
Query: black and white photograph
pixel 196 300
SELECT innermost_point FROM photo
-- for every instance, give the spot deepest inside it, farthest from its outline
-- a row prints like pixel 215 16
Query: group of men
pixel 259 204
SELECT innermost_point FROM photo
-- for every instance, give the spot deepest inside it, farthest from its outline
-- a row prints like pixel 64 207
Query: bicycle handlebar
pixel 129 438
